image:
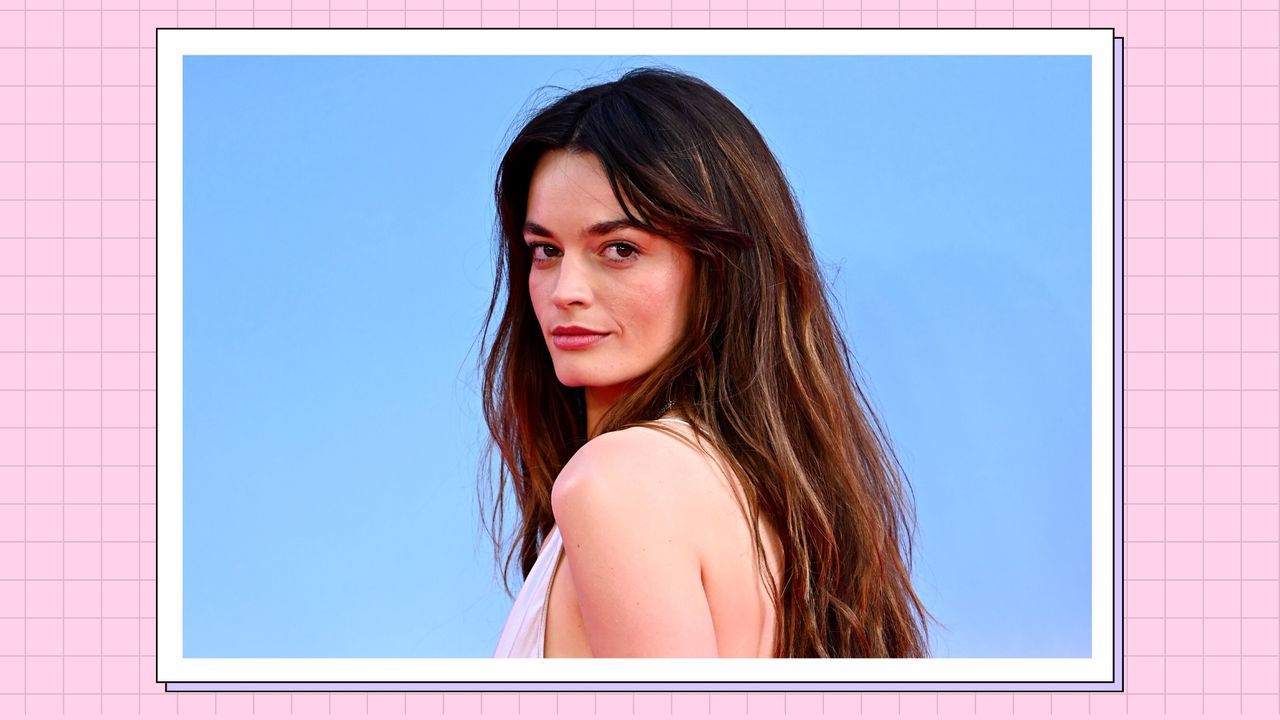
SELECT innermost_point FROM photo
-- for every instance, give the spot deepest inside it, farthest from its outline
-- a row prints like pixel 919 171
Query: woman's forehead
pixel 570 192
pixel 561 173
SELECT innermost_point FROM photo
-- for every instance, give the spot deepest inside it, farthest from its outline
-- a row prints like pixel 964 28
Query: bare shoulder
pixel 626 505
pixel 641 472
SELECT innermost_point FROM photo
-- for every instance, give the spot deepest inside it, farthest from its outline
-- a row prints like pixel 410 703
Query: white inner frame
pixel 173 45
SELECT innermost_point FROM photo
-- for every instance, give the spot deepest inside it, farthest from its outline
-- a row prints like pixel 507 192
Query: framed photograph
pixel 753 359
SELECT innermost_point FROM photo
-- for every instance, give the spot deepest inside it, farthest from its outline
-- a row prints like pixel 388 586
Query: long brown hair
pixel 762 372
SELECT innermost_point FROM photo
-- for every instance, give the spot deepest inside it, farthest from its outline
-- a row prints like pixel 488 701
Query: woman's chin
pixel 572 377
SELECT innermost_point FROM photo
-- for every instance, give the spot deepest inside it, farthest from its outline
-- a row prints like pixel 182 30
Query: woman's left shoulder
pixel 627 505
pixel 641 468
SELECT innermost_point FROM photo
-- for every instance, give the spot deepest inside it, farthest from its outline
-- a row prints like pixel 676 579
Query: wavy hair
pixel 762 371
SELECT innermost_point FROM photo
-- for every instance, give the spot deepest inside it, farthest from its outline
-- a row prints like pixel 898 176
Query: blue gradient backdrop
pixel 338 261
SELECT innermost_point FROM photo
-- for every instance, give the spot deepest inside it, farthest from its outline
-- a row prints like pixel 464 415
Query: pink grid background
pixel 78 352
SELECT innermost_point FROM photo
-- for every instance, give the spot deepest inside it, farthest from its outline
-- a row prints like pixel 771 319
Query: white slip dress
pixel 525 632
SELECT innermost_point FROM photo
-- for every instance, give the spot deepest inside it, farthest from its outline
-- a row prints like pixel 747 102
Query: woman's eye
pixel 543 251
pixel 624 251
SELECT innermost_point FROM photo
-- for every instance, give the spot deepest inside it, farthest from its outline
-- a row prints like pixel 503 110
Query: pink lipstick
pixel 574 337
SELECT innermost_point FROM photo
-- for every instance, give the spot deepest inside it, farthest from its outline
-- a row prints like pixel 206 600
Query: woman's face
pixel 611 299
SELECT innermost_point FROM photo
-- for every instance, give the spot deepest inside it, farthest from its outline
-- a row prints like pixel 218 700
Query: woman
pixel 696 470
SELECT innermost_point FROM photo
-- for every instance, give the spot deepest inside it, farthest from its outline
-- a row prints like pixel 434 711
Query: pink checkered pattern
pixel 1202 331
pixel 77 359
pixel 78 343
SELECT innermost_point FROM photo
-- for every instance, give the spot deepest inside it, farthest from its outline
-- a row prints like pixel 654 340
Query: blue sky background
pixel 338 218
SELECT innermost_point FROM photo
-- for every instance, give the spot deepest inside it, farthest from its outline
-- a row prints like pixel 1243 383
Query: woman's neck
pixel 599 400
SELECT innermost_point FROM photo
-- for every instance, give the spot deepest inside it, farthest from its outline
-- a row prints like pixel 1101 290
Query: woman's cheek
pixel 644 304
pixel 536 293
pixel 662 296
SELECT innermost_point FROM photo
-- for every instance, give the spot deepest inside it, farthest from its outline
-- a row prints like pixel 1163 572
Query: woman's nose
pixel 573 283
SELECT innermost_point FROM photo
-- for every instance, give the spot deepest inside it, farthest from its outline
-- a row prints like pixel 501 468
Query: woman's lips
pixel 568 341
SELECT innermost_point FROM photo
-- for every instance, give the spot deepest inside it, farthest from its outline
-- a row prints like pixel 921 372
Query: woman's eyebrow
pixel 601 228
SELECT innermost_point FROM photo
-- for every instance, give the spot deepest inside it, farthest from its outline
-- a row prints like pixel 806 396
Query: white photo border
pixel 1100 671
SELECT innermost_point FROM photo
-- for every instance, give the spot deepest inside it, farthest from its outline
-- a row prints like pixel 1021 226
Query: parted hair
pixel 762 371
